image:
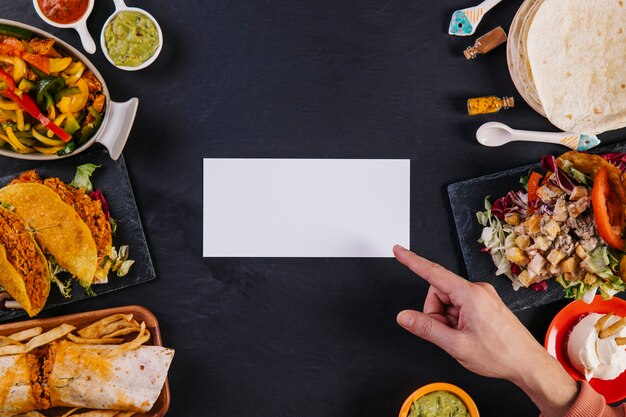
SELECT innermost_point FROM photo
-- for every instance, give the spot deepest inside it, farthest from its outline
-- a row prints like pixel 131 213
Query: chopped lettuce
pixel 82 178
pixel 65 288
pixel 497 240
pixel 8 206
pixel 603 263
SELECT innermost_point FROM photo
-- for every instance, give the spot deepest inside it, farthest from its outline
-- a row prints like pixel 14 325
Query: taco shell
pixel 57 227
pixel 24 272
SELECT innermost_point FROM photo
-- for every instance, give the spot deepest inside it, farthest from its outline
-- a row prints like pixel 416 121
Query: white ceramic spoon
pixel 79 25
pixel 465 21
pixel 497 134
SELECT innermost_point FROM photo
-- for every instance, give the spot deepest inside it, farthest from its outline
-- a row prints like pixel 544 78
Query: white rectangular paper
pixel 305 207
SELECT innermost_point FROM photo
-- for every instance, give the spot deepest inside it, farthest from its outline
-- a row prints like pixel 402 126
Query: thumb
pixel 428 328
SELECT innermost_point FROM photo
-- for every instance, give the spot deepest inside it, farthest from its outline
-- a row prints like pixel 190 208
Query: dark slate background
pixel 316 78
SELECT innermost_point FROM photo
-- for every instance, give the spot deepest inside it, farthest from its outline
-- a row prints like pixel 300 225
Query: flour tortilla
pixel 89 376
pixel 16 393
pixel 517 57
pixel 58 228
pixel 577 53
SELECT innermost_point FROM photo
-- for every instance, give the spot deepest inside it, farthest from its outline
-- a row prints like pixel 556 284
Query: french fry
pixel 95 330
pixel 621 341
pixel 103 341
pixel 49 336
pixel 26 334
pixel 124 332
pixel 602 321
pixel 142 337
pixel 12 350
pixel 4 341
pixel 613 328
pixel 70 412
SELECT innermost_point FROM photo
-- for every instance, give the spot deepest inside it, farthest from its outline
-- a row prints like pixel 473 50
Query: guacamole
pixel 438 404
pixel 131 38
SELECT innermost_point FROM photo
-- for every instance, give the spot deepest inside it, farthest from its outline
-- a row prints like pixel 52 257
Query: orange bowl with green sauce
pixel 440 393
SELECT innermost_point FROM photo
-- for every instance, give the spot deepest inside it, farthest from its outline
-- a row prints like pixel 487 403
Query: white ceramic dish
pixel 118 117
pixel 80 25
pixel 120 6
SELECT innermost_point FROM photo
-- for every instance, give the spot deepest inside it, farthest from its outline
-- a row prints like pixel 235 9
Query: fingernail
pixel 405 320
pixel 399 247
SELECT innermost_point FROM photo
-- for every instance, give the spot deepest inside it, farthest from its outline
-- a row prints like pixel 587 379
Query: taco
pixel 90 211
pixel 24 271
pixel 57 228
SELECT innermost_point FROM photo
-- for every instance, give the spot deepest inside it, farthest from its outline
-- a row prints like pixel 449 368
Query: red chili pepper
pixel 30 107
pixel 600 196
pixel 533 186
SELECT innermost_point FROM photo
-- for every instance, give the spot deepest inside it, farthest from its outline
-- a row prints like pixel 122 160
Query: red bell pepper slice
pixel 30 107
pixel 601 200
pixel 533 186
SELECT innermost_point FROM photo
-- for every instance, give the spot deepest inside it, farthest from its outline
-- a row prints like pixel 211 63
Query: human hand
pixel 471 323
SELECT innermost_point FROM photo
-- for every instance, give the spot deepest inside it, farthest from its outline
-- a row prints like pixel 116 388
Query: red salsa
pixel 63 11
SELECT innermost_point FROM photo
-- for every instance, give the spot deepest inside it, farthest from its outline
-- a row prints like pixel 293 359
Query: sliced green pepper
pixel 71 125
pixel 69 148
pixel 19 33
pixel 65 92
pixel 90 128
pixel 49 86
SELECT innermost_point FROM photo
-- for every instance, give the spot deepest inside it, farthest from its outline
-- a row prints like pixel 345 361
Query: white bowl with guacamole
pixel 131 38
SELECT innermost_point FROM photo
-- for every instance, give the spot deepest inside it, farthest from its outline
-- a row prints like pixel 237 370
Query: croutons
pixel 541 243
pixel 522 241
pixel 555 257
pixel 578 193
pixel 524 278
pixel 590 278
pixel 516 256
pixel 536 264
pixel 552 228
pixel 532 224
pixel 569 264
pixel 512 218
pixel 580 251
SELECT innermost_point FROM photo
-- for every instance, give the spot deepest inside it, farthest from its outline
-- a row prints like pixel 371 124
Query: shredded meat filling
pixel 23 255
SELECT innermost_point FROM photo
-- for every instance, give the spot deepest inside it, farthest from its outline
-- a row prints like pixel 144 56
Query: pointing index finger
pixel 435 274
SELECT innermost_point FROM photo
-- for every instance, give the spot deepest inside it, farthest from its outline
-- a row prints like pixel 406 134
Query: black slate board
pixel 467 198
pixel 112 179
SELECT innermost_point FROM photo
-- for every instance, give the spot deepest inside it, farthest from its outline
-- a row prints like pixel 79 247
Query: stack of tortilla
pixel 567 61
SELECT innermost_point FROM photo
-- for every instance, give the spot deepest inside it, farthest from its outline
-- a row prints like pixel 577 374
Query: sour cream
pixel 595 357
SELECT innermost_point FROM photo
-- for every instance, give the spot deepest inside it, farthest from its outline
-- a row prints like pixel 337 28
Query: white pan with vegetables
pixel 53 102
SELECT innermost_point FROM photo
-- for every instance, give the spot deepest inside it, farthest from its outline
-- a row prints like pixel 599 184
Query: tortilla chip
pixel 58 228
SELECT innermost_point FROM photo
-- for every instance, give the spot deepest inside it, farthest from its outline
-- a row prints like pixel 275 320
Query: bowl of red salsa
pixel 68 14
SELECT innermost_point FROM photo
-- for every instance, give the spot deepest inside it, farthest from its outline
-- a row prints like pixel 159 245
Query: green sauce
pixel 131 39
pixel 438 404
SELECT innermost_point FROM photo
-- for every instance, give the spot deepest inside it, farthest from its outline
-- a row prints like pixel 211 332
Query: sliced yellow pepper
pixel 20 119
pixel 15 142
pixel 5 59
pixel 73 72
pixel 49 151
pixel 46 141
pixel 57 122
pixel 59 64
pixel 8 105
pixel 19 69
pixel 74 103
